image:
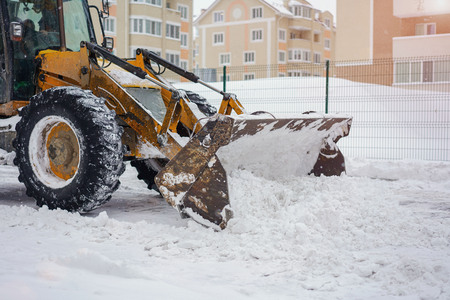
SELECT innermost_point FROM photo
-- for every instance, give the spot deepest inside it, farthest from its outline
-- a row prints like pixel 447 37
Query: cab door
pixel 6 65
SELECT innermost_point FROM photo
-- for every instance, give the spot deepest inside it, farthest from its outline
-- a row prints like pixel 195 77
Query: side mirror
pixel 108 43
pixel 105 9
pixel 16 31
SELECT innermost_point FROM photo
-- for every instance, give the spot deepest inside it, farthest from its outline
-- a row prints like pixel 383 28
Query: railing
pixel 392 119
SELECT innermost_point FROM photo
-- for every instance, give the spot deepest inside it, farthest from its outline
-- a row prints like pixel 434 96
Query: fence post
pixel 327 66
pixel 224 78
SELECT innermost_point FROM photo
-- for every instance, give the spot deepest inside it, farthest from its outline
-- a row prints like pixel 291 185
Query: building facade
pixel 256 32
pixel 162 26
pixel 413 34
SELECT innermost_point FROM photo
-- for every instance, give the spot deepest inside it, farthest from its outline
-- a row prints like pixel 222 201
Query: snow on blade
pixel 277 152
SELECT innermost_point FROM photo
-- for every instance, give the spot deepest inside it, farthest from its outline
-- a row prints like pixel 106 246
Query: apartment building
pixel 262 32
pixel 162 26
pixel 413 34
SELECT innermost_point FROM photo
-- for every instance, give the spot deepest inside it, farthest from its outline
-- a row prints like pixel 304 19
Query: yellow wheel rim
pixel 63 151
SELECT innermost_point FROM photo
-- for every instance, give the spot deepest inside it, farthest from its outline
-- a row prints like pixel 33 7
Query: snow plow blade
pixel 195 180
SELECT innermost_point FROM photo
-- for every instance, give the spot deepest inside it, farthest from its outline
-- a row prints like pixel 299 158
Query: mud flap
pixel 195 180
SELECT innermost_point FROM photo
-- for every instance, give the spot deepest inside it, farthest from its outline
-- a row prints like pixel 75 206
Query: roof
pixel 277 5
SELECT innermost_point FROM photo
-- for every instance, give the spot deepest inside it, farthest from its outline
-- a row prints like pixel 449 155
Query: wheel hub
pixel 63 151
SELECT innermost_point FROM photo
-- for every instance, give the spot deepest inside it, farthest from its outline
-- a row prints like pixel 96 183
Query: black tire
pixel 147 170
pixel 203 105
pixel 69 149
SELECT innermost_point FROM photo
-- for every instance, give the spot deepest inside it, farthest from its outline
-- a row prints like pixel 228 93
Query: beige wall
pixel 125 41
pixel 237 29
pixel 354 36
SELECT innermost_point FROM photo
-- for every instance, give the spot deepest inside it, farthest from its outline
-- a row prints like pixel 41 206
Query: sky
pixel 329 5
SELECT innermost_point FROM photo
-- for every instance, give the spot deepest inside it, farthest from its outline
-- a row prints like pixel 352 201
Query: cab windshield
pixel 41 24
pixel 76 27
pixel 41 31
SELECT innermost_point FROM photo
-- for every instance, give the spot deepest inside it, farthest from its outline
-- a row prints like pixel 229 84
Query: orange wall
pixel 442 24
pixel 184 27
pixel 385 27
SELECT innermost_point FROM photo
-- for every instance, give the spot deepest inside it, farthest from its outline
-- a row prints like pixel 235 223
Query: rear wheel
pixel 147 170
pixel 69 149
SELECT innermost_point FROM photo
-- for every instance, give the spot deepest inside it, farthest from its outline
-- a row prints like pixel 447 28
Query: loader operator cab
pixel 30 26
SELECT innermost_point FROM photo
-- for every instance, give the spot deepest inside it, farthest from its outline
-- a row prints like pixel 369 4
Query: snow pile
pixel 380 232
pixel 327 234
pixel 8 124
pixel 6 158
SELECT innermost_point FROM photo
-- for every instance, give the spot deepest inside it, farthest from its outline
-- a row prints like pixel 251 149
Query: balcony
pixel 300 33
pixel 420 8
pixel 422 45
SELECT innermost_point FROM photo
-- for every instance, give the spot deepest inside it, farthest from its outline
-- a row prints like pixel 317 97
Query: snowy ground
pixel 380 232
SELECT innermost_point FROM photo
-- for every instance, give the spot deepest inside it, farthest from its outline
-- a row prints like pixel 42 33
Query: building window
pixel 173 58
pixel 316 37
pixel 184 40
pixel 257 12
pixel 295 73
pixel 257 35
pixel 299 73
pixel 295 54
pixel 249 76
pixel 145 26
pixel 249 57
pixel 137 26
pixel 109 24
pixel 225 59
pixel 183 9
pixel 306 55
pixel 152 2
pixel 281 56
pixel 327 22
pixel 299 55
pixel 173 31
pixel 442 71
pixel 317 58
pixel 153 27
pixel 306 12
pixel 218 16
pixel 134 48
pixel 218 38
pixel 183 64
pixel 422 71
pixel 427 71
pixel 426 29
pixel 282 35
pixel 227 77
pixel 327 44
pixel 301 11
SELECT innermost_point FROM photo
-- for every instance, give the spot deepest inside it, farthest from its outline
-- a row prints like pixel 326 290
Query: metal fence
pixel 400 108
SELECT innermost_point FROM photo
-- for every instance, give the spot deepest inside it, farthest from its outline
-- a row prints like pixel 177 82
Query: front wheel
pixel 69 149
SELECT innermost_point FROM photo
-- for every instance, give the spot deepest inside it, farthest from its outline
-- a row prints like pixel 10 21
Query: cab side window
pixel 3 93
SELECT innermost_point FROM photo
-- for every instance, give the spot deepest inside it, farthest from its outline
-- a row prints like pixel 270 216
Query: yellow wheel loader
pixel 84 111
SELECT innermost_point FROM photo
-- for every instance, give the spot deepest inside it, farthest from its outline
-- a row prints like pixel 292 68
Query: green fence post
pixel 327 66
pixel 224 78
